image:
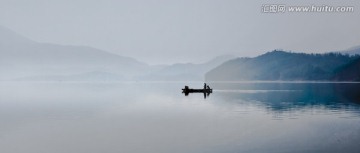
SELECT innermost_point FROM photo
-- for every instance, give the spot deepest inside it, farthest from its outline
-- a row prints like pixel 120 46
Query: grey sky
pixel 169 31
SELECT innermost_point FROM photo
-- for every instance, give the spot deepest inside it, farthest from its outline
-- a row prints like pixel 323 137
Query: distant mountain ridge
pixel 9 37
pixel 186 71
pixel 21 57
pixel 281 65
pixel 24 59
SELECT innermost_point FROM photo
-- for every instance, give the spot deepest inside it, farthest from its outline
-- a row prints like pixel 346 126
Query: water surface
pixel 138 117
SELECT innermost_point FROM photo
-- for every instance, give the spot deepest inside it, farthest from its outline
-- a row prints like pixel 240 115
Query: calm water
pixel 158 118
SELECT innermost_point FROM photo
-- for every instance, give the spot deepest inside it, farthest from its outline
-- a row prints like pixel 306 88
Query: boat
pixel 189 90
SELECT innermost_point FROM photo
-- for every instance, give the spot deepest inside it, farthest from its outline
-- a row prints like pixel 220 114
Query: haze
pixel 169 31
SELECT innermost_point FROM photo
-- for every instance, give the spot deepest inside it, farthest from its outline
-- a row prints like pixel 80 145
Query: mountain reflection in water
pixel 280 97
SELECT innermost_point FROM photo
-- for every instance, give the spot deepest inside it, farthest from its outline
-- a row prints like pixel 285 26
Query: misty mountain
pixel 186 71
pixel 280 65
pixel 10 38
pixel 21 57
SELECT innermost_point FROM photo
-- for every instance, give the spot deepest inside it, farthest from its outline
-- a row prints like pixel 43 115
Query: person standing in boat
pixel 204 86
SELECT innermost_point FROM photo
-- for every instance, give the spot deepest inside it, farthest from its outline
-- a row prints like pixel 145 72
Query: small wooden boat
pixel 188 90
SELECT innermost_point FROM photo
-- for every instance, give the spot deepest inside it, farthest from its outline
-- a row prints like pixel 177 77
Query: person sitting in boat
pixel 208 87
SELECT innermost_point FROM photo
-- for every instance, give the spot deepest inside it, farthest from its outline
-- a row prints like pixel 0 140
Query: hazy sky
pixel 169 31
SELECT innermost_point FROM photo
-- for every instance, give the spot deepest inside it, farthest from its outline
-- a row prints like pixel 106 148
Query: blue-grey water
pixel 140 117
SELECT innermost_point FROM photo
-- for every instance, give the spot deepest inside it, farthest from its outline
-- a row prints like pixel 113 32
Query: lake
pixel 155 117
